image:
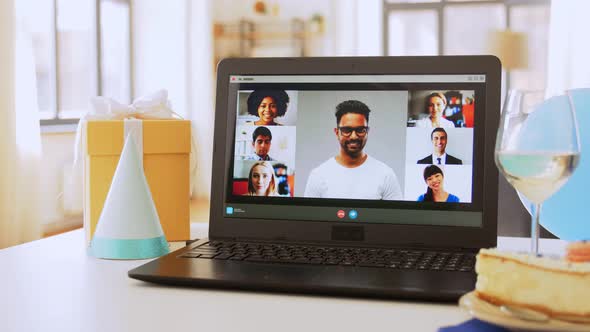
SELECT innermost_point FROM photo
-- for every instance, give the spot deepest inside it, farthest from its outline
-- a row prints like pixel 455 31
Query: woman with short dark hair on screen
pixel 434 178
pixel 436 103
pixel 267 105
pixel 261 180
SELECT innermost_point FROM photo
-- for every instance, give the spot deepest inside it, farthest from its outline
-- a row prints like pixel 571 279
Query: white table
pixel 51 285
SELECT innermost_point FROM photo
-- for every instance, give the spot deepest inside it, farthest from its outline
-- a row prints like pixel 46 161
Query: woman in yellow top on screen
pixel 261 180
pixel 436 103
pixel 267 105
pixel 434 178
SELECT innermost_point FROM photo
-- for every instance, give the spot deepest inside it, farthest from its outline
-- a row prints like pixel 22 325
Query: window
pixel 453 27
pixel 115 50
pixel 82 49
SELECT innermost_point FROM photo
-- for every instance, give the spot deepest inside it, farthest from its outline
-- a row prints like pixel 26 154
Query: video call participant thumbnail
pixel 352 173
pixel 439 156
pixel 267 105
pixel 436 103
pixel 261 141
pixel 262 180
pixel 281 174
pixel 434 178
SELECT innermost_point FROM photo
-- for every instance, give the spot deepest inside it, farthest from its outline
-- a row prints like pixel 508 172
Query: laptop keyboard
pixel 346 256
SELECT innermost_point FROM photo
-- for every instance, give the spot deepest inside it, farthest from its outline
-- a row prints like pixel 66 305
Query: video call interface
pixel 368 138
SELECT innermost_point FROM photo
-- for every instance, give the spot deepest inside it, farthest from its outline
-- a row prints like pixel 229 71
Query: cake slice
pixel 555 287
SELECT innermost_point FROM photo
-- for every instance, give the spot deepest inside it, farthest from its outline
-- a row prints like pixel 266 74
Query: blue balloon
pixel 565 214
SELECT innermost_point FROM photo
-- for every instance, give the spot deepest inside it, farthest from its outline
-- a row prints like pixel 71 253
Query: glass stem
pixel 535 230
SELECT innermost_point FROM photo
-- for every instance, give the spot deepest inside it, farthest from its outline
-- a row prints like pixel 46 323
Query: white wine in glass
pixel 537 175
pixel 537 147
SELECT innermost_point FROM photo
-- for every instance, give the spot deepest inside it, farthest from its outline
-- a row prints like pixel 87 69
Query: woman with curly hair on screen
pixel 434 178
pixel 261 180
pixel 267 105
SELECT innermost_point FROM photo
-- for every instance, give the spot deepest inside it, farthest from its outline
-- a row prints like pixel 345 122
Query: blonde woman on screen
pixel 436 103
pixel 261 180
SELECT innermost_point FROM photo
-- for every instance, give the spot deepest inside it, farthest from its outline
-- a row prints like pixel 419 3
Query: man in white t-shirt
pixel 352 173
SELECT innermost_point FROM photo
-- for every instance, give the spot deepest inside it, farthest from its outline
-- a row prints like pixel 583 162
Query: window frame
pixel 439 6
pixel 96 61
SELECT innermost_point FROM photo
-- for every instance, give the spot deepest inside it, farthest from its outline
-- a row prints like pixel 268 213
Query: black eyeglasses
pixel 347 131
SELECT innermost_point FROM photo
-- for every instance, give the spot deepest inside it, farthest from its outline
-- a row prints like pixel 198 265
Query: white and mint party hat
pixel 129 226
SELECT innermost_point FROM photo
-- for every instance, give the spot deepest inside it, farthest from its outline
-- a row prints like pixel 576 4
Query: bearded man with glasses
pixel 352 173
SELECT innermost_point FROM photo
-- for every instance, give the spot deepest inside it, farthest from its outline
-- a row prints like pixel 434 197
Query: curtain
pixel 20 137
pixel 568 66
pixel 200 91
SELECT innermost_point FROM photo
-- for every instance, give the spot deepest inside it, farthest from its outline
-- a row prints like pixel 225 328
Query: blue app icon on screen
pixel 229 210
pixel 353 214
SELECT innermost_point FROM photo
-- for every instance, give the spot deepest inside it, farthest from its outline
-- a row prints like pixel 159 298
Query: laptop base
pixel 355 281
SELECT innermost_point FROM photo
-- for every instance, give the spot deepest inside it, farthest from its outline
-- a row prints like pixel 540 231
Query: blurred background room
pixel 57 54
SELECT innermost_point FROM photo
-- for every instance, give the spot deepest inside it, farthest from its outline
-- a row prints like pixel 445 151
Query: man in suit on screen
pixel 439 155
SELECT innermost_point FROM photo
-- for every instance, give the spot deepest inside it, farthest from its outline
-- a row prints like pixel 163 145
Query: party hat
pixel 129 226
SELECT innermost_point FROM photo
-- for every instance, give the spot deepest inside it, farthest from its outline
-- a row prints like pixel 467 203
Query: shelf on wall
pixel 262 38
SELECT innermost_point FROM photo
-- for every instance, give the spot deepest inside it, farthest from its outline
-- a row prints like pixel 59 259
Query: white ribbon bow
pixel 153 106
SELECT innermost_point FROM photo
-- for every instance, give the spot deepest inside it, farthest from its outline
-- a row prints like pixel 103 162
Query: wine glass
pixel 537 147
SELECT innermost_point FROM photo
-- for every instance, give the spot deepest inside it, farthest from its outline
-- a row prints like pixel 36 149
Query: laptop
pixel 353 176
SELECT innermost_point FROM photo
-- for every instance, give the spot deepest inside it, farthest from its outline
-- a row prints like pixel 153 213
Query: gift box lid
pixel 105 137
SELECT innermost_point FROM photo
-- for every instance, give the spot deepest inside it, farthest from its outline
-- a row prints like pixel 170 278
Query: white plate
pixel 491 313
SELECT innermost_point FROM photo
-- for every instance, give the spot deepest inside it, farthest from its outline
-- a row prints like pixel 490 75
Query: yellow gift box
pixel 166 163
